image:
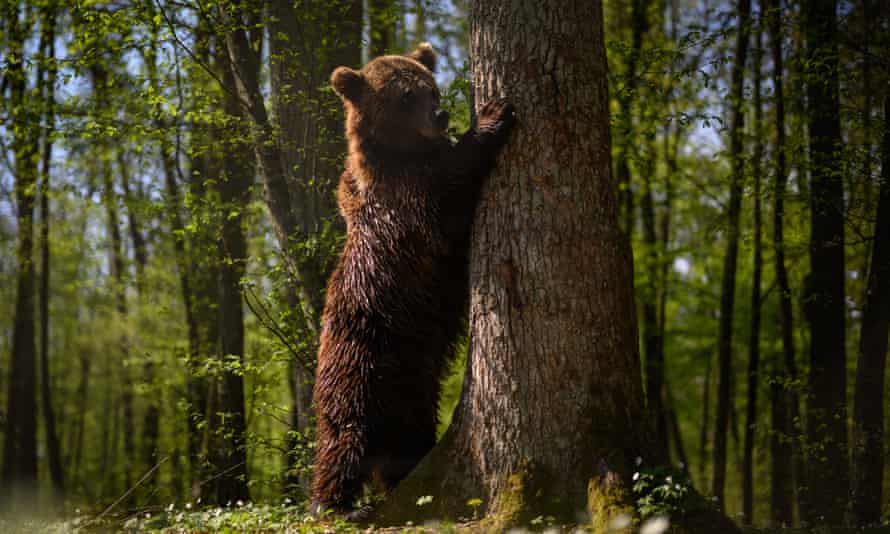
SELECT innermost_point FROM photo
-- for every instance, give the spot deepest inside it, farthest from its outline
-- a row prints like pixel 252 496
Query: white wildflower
pixel 656 525
pixel 619 522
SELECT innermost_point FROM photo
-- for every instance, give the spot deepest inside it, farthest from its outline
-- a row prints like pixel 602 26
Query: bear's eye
pixel 406 97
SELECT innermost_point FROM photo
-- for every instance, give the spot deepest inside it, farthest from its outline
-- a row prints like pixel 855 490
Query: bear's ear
pixel 425 55
pixel 347 83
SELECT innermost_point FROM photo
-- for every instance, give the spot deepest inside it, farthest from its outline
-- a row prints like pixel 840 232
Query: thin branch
pixel 132 489
pixel 266 320
pixel 188 50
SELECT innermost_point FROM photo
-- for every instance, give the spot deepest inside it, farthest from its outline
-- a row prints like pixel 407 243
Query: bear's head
pixel 393 101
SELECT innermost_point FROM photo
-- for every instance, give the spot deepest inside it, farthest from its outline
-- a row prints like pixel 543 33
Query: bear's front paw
pixel 495 119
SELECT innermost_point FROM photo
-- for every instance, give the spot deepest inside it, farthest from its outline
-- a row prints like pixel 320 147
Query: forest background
pixel 166 230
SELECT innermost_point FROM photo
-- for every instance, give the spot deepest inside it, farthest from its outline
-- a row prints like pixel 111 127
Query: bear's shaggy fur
pixel 396 300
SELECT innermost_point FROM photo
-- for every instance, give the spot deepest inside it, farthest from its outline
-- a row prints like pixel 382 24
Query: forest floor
pixel 289 519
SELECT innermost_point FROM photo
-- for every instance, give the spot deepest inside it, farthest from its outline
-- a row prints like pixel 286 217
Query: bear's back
pixel 397 263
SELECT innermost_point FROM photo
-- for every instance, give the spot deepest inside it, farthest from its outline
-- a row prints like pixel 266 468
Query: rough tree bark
pixel 868 404
pixel 730 259
pixel 552 415
pixel 753 374
pixel 828 483
pixel 783 399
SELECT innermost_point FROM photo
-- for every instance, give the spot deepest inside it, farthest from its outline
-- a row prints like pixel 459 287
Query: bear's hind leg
pixel 340 469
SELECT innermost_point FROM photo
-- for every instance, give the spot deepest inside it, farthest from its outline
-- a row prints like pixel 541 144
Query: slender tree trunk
pixel 674 428
pixel 652 341
pixel 870 22
pixel 653 344
pixel 704 431
pixel 626 100
pixel 140 250
pixel 20 447
pixel 419 23
pixel 150 421
pixel 754 339
pixel 286 222
pixel 868 404
pixel 671 139
pixel 311 145
pixel 81 398
pixel 54 455
pixel 828 482
pixel 229 419
pixel 783 394
pixel 730 259
pixel 118 283
pixel 382 15
pixel 203 268
pixel 196 383
pixel 552 315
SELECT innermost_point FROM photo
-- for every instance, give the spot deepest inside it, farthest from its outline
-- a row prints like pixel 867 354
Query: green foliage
pixel 660 491
pixel 452 386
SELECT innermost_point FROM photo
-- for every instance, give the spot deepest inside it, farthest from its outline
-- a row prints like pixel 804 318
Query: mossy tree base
pixel 443 488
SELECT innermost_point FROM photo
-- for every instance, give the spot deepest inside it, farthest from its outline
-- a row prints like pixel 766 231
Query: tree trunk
pixel 552 315
pixel 730 259
pixel 670 140
pixel 20 448
pixel 189 279
pixel 203 267
pixel 784 402
pixel 150 420
pixel 828 483
pixel 116 268
pixel 229 422
pixel 754 339
pixel 704 431
pixel 54 455
pixel 286 222
pixel 868 404
pixel 419 31
pixel 626 100
pixel 653 346
pixel 312 147
pixel 131 202
pixel 382 15
pixel 82 397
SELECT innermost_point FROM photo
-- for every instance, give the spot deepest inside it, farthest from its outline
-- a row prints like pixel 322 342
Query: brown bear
pixel 397 298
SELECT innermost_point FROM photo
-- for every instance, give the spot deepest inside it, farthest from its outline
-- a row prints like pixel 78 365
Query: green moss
pixel 509 505
pixel 609 506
